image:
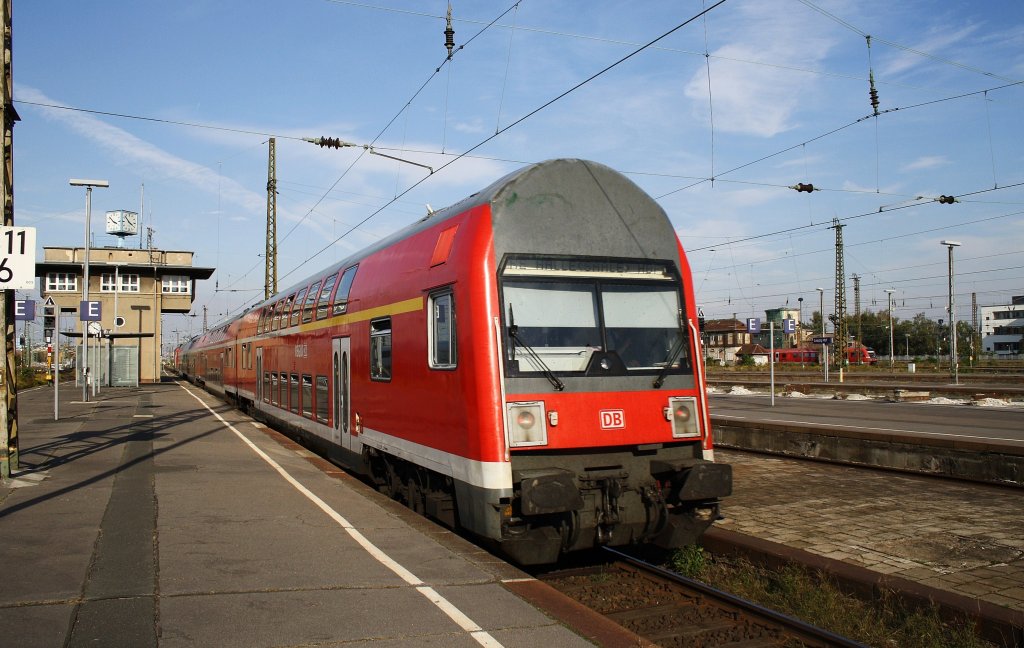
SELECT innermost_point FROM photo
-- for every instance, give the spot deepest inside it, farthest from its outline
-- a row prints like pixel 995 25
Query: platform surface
pixel 141 519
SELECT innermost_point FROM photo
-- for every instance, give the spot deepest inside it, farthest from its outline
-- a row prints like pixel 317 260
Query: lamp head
pixel 78 182
pixel 951 243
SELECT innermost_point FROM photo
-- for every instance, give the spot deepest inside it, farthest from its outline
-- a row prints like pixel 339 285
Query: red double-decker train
pixel 811 355
pixel 524 364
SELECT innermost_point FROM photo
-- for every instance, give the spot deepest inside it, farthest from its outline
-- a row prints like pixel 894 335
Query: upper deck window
pixel 341 294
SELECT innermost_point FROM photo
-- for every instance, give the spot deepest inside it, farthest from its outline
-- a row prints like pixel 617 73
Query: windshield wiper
pixel 513 334
pixel 670 360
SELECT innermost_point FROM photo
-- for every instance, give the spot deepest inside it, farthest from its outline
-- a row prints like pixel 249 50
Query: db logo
pixel 612 419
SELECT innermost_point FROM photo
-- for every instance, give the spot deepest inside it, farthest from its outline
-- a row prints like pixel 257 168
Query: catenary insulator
pixel 449 34
pixel 946 200
pixel 803 187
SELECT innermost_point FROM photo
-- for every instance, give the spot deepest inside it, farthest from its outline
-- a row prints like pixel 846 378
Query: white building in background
pixel 1002 327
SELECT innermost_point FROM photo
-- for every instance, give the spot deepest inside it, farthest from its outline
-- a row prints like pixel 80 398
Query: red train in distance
pixel 523 365
pixel 809 355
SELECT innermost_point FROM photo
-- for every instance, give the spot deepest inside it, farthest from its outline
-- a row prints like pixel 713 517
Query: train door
pixel 341 364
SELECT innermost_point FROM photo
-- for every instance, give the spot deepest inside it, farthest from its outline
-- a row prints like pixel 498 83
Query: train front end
pixel 606 418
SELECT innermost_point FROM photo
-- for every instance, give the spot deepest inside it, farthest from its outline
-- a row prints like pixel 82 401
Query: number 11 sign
pixel 17 258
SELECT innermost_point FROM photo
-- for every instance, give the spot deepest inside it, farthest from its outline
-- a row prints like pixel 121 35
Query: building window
pixel 380 349
pixel 442 330
pixel 61 282
pixel 129 282
pixel 176 284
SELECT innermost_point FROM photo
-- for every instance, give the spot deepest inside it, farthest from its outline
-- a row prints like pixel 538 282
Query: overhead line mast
pixel 841 336
pixel 270 276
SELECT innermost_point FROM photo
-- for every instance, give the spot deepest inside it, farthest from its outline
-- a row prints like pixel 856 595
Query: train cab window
pixel 380 349
pixel 441 331
pixel 341 294
pixel 324 302
pixel 322 399
pixel 299 298
pixel 267 393
pixel 274 400
pixel 307 395
pixel 293 393
pixel 307 308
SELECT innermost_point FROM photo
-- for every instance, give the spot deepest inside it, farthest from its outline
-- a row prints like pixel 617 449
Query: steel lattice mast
pixel 270 278
pixel 840 337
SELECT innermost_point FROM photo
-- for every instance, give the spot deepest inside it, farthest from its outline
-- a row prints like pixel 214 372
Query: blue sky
pixel 775 102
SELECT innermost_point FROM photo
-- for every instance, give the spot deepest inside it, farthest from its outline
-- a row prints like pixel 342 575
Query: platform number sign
pixel 17 258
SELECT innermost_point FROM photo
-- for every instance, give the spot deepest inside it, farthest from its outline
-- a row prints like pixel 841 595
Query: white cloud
pixel 753 99
pixel 927 162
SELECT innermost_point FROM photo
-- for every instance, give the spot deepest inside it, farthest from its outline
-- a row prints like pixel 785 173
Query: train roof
pixel 547 183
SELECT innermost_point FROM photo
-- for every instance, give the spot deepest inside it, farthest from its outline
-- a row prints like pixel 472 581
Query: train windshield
pixel 563 326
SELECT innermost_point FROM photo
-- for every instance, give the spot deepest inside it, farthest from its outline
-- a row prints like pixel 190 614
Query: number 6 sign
pixel 17 258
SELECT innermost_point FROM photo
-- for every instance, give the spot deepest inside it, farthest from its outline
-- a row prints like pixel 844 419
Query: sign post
pixel 52 329
pixel 17 272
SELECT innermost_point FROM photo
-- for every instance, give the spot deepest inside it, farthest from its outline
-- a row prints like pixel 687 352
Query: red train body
pixel 808 355
pixel 523 365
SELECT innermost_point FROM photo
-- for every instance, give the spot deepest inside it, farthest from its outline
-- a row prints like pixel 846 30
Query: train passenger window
pixel 307 395
pixel 283 384
pixel 324 302
pixel 286 309
pixel 341 294
pixel 262 321
pixel 380 349
pixel 323 399
pixel 273 389
pixel 307 309
pixel 293 393
pixel 267 393
pixel 298 307
pixel 441 330
pixel 273 316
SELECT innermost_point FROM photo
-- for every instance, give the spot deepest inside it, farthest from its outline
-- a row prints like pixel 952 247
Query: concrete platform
pixel 143 518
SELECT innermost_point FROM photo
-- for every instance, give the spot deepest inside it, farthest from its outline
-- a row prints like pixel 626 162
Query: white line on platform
pixel 143 415
pixel 455 614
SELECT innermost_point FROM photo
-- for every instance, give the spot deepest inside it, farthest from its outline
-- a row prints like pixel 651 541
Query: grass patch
pixel 816 599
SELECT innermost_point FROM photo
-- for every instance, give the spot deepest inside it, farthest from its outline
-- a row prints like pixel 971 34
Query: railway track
pixel 671 610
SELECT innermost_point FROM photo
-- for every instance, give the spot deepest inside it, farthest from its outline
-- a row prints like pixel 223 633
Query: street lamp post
pixel 824 347
pixel 889 292
pixel 88 184
pixel 800 321
pixel 954 361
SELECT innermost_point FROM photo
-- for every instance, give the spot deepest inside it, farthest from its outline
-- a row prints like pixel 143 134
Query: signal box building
pixel 134 288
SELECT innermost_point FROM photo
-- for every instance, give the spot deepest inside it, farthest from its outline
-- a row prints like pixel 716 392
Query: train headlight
pixel 682 412
pixel 526 424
